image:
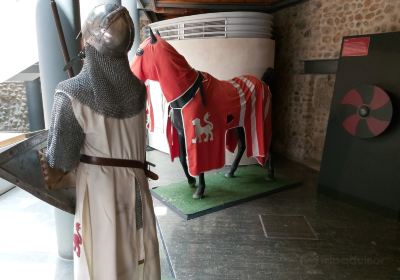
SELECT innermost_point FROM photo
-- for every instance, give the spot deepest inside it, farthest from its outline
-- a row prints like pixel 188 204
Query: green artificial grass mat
pixel 221 192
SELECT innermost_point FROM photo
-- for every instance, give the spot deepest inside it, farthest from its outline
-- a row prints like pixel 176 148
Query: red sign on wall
pixel 355 46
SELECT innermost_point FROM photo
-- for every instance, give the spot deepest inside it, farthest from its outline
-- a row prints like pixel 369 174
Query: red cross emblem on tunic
pixel 77 239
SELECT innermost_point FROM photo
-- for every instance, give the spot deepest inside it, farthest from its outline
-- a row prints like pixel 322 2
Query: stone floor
pixel 349 242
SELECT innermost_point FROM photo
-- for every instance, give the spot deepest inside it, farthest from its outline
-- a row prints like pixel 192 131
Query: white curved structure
pixel 227 25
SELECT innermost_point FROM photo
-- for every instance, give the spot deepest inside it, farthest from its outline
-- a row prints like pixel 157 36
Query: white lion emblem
pixel 200 130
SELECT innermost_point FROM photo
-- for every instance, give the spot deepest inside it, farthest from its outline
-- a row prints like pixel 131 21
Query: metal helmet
pixel 109 29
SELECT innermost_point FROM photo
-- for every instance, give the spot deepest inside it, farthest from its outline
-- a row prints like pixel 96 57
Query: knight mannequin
pixel 98 127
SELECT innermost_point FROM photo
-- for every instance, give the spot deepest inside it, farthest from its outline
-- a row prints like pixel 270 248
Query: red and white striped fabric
pixel 255 115
pixel 207 133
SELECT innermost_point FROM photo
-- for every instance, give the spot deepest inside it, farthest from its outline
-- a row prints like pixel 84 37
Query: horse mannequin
pixel 207 114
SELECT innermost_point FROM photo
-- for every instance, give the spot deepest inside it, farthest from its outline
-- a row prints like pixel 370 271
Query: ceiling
pixel 157 10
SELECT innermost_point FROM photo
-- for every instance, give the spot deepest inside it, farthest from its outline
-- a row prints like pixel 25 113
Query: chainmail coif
pixel 106 84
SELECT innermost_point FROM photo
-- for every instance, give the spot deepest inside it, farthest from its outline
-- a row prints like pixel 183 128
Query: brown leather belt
pixel 121 163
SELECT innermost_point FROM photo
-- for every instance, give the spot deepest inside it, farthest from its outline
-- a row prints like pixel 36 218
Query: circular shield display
pixel 365 111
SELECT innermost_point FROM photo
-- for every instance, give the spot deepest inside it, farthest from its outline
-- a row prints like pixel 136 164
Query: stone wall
pixel 13 107
pixel 309 31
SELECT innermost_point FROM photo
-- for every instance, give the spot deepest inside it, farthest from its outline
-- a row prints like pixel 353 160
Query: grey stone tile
pixel 230 244
pixel 353 243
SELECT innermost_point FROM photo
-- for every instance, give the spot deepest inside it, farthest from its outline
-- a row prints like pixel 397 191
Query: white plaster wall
pixel 18 48
pixel 226 58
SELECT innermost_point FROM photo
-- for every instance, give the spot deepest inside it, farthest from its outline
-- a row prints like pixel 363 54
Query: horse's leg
pixel 182 158
pixel 269 77
pixel 241 149
pixel 270 168
pixel 199 193
pixel 177 122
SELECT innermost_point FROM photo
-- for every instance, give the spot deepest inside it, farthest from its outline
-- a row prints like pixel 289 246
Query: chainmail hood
pixel 107 85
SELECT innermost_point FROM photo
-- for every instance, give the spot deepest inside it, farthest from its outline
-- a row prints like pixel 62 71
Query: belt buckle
pixel 150 174
pixel 147 165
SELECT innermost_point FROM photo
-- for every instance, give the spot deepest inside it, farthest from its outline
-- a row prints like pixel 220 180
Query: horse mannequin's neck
pixel 161 62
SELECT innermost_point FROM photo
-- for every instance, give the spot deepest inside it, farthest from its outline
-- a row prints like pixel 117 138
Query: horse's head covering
pixel 157 60
pixel 109 29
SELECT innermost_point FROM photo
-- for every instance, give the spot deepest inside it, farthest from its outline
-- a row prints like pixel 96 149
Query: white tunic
pixel 107 244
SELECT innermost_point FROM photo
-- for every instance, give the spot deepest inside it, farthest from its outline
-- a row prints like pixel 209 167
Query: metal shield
pixel 20 166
